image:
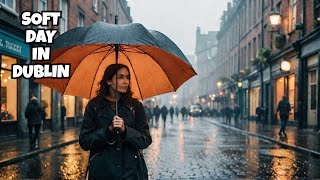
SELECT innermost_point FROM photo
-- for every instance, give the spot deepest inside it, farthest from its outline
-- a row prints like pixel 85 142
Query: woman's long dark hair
pixel 104 88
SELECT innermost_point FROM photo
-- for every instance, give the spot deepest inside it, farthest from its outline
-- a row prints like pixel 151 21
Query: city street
pixel 194 148
pixel 245 74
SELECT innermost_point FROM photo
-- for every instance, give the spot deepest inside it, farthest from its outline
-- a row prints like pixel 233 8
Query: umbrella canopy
pixel 156 64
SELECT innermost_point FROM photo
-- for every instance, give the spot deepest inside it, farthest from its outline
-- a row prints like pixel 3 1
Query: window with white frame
pixel 42 5
pixel 104 13
pixel 10 3
pixel 95 5
pixel 313 88
pixel 292 15
pixel 81 20
pixel 64 16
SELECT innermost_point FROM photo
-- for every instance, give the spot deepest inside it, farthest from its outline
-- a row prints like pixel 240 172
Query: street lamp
pixel 285 66
pixel 174 96
pixel 232 96
pixel 239 84
pixel 275 18
pixel 219 84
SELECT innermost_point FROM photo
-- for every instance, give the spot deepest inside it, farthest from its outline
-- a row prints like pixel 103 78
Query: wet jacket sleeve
pixel 139 136
pixel 27 113
pixel 91 137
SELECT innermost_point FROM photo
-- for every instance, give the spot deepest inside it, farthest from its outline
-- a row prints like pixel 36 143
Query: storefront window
pixel 46 100
pixel 254 100
pixel 69 103
pixel 84 104
pixel 291 85
pixel 286 86
pixel 279 91
pixel 313 88
pixel 8 89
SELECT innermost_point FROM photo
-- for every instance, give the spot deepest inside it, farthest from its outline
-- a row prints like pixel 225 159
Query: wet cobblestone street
pixel 188 149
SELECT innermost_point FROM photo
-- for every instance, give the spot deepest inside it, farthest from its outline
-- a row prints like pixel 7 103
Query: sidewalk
pixel 305 140
pixel 15 150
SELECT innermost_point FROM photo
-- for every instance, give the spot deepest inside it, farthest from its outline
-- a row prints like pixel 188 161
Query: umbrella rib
pixel 160 67
pixel 133 72
pixel 107 54
pixel 79 65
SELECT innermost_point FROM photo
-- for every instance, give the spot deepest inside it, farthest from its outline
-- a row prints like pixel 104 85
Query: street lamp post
pixel 240 98
pixel 219 84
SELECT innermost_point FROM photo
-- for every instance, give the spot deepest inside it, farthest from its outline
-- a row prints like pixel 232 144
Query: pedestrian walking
pixel 171 111
pixel 35 115
pixel 114 141
pixel 177 111
pixel 223 113
pixel 63 115
pixel 228 114
pixel 236 112
pixel 284 109
pixel 164 113
pixel 148 114
pixel 156 112
pixel 183 112
pixel 259 115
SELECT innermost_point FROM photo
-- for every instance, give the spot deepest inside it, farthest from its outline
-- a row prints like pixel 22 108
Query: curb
pixel 285 145
pixel 22 157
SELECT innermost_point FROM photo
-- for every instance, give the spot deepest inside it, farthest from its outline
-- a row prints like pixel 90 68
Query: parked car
pixel 195 110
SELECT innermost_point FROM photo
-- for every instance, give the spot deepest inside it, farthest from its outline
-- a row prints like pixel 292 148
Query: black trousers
pixel 34 136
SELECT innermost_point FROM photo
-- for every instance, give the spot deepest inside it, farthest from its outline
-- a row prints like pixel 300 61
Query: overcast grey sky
pixel 178 19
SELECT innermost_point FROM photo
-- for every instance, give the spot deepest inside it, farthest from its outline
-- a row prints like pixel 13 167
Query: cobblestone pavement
pixel 188 149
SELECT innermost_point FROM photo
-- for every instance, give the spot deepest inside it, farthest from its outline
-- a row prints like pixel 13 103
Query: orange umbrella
pixel 156 64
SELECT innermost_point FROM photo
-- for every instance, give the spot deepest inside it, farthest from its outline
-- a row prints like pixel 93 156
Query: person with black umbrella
pixel 114 141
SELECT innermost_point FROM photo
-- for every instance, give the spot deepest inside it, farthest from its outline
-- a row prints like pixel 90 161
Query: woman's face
pixel 123 80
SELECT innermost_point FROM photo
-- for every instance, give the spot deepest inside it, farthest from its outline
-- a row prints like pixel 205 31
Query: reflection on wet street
pixel 186 149
pixel 65 163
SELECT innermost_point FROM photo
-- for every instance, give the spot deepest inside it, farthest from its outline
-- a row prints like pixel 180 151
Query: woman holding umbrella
pixel 114 140
pixel 149 56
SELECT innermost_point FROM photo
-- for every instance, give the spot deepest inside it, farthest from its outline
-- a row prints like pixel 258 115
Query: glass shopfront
pixel 285 86
pixel 69 103
pixel 254 100
pixel 8 90
pixel 46 100
pixel 84 104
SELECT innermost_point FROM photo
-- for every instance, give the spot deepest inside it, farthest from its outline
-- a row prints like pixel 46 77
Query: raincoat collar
pixel 105 102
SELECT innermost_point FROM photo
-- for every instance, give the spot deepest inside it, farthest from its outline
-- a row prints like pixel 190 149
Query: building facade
pixel 205 52
pixel 253 51
pixel 15 93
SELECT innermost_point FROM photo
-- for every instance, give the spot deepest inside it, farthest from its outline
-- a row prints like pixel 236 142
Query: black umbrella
pixel 156 64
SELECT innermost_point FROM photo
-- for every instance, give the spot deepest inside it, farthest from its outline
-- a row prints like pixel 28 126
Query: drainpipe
pixel 261 65
pixel 318 106
pixel 301 74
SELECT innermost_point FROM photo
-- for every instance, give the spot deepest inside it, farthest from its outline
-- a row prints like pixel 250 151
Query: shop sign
pixel 313 60
pixel 255 83
pixel 245 84
pixel 11 44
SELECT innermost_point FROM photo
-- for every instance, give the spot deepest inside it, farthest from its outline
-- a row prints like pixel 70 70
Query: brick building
pixel 15 93
pixel 246 32
pixel 206 50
